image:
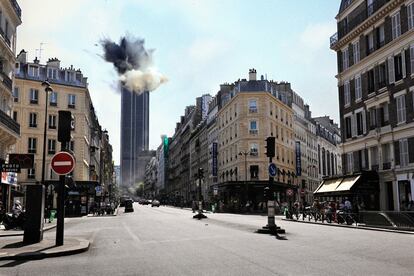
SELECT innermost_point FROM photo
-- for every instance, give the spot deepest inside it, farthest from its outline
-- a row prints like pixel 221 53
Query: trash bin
pixel 52 215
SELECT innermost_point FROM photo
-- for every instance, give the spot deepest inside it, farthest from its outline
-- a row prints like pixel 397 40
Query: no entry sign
pixel 63 163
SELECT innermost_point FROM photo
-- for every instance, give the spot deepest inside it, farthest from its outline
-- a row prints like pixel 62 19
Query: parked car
pixel 155 203
pixel 122 200
pixel 129 206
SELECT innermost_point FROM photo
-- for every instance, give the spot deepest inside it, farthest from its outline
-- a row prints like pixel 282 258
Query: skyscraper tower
pixel 134 136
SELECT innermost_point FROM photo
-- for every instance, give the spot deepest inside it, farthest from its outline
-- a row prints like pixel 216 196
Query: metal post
pixel 44 139
pixel 271 203
pixel 61 206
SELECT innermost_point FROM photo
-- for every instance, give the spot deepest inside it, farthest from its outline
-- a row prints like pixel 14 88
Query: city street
pixel 167 241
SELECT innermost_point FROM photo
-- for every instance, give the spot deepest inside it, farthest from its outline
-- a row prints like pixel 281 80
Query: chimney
pixel 22 57
pixel 252 74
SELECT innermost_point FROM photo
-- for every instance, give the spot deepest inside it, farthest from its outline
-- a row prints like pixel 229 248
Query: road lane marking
pixel 133 236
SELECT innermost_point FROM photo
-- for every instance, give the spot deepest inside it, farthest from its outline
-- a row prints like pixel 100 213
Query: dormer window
pixel 70 76
pixel 52 73
pixel 33 71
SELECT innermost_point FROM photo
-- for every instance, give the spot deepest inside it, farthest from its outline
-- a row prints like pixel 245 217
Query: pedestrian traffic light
pixel 201 173
pixel 270 146
pixel 266 192
pixel 65 126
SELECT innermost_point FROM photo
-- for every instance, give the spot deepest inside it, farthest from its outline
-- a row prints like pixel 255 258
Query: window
pixel 15 116
pixel 345 56
pixel 373 118
pixel 358 92
pixel 396 25
pixel 32 119
pixel 371 81
pixel 51 146
pixel 53 98
pixel 254 149
pixel 252 106
pixel 71 101
pixel 380 36
pixel 70 77
pixel 386 157
pixel 52 73
pixel 254 172
pixel 401 109
pixel 33 71
pixel 412 59
pixel 52 121
pixel 72 146
pixel 370 7
pixel 360 123
pixel 410 15
pixel 385 112
pixel 374 158
pixel 370 43
pixel 404 152
pixel 398 67
pixel 31 173
pixel 356 52
pixel 16 94
pixel 347 94
pixel 34 96
pixel 348 127
pixel 253 127
pixel 382 71
pixel 349 162
pixel 32 145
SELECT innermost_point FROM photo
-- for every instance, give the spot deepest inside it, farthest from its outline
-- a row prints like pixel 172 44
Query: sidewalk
pixel 13 233
pixel 12 248
pixel 354 226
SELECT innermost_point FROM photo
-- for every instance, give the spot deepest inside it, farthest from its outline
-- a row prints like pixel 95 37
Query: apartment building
pixel 375 50
pixel 251 112
pixel 10 19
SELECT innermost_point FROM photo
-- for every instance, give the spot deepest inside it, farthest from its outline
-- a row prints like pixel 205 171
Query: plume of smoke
pixel 133 63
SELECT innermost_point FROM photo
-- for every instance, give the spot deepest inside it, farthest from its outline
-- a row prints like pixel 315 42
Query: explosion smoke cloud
pixel 133 63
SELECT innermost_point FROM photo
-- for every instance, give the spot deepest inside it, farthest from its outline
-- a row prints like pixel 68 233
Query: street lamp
pixel 48 88
pixel 245 154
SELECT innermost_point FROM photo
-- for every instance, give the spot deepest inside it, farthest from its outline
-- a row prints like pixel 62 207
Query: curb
pixel 20 233
pixel 43 255
pixel 353 227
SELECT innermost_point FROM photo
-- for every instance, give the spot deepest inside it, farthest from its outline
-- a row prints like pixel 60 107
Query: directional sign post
pixel 272 169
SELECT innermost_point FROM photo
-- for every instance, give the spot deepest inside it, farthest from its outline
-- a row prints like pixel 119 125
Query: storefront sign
pixel 15 168
pixel 298 160
pixel 9 178
pixel 214 153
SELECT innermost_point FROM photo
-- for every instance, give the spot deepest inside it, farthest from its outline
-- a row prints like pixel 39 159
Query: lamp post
pixel 48 88
pixel 245 154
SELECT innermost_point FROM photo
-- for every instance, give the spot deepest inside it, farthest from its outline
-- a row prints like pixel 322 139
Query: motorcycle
pixel 11 221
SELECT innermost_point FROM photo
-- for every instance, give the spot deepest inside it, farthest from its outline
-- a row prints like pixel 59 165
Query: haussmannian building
pixel 375 49
pixel 251 112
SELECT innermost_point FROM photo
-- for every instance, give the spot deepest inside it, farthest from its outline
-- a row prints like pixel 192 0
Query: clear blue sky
pixel 199 45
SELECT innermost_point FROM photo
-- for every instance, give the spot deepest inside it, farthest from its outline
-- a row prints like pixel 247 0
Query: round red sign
pixel 63 163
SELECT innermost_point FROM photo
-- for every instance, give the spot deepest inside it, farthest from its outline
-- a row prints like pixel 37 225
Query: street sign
pixel 272 169
pixel 289 192
pixel 63 163
pixel 10 168
pixel 25 160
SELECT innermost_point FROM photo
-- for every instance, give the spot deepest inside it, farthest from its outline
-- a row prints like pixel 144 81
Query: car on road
pixel 155 203
pixel 122 200
pixel 129 206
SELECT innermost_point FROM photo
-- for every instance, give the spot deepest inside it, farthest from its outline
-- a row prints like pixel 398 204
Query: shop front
pixel 362 189
pixel 8 190
pixel 233 195
pixel 405 188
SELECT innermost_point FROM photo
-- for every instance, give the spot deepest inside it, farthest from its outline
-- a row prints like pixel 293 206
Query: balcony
pixel 16 8
pixel 386 166
pixel 356 20
pixel 7 81
pixel 9 123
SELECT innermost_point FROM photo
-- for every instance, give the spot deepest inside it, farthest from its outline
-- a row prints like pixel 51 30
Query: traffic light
pixel 266 192
pixel 270 146
pixel 201 173
pixel 65 126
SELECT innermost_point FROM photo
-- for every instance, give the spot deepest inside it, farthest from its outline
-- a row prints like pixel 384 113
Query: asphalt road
pixel 167 241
